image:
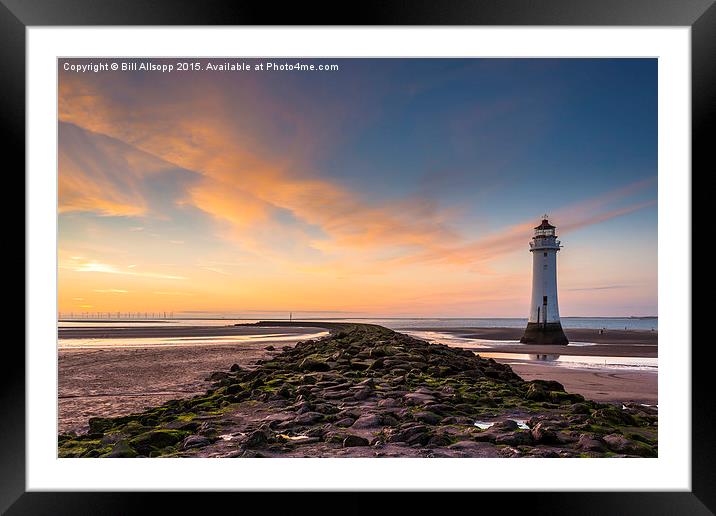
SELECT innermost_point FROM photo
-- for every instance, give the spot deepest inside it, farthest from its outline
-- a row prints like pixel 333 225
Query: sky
pixel 385 188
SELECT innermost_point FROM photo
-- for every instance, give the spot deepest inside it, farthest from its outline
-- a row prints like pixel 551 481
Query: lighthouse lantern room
pixel 544 325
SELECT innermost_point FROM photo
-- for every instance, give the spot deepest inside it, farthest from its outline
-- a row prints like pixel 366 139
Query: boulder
pixel 195 441
pixel 427 417
pixel 620 444
pixel 156 440
pixel 308 418
pixel 544 433
pixel 590 443
pixel 517 438
pixel 122 449
pixel 312 364
pixel 536 392
pixel 368 421
pixel 355 440
pixel 257 439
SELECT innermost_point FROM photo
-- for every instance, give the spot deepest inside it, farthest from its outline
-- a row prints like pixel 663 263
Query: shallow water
pixel 448 338
pixel 154 342
pixel 610 323
pixel 484 425
pixel 648 364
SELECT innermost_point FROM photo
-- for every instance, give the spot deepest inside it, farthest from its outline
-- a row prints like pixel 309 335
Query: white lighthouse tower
pixel 544 326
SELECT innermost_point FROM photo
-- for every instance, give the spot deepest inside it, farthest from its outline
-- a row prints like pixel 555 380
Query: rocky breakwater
pixel 366 391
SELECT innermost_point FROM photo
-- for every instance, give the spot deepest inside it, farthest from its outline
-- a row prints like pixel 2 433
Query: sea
pixel 608 323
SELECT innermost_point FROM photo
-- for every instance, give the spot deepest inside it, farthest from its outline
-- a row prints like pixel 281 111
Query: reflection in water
pixel 544 357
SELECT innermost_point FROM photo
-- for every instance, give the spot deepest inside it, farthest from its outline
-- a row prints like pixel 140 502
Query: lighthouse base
pixel 544 333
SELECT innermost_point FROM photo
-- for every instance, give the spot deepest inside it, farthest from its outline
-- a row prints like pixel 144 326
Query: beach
pixel 609 384
pixel 334 390
pixel 112 371
pixel 108 379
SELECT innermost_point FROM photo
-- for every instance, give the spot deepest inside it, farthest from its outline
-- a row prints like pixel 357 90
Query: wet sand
pixel 607 385
pixel 112 382
pixel 130 332
pixel 119 381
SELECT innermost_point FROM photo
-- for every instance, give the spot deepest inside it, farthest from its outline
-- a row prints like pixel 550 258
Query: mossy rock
pixel 156 440
pixel 536 392
pixel 121 449
pixel 313 364
pixel 614 416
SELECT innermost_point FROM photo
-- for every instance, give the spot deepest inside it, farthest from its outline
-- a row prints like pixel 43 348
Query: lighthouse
pixel 543 325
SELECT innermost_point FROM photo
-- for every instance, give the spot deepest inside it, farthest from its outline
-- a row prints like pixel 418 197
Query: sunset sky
pixel 391 187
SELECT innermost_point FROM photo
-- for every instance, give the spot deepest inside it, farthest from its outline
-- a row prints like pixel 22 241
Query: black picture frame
pixel 17 15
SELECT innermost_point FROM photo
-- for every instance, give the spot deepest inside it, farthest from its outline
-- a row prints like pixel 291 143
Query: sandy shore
pixel 363 391
pixel 606 384
pixel 130 332
pixel 112 382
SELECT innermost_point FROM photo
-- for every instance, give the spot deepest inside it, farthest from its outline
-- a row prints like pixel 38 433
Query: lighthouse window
pixel 545 254
pixel 544 300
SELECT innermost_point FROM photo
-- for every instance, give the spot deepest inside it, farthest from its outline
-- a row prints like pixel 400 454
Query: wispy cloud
pixel 605 287
pixel 110 290
pixel 81 265
pixel 570 218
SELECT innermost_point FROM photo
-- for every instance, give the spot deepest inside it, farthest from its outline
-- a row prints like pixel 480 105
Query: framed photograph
pixel 424 249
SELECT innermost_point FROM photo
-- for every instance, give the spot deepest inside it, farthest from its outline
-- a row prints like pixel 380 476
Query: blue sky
pixel 344 190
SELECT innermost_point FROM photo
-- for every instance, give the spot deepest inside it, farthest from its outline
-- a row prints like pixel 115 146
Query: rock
pixel 216 376
pixel 355 440
pixel 122 450
pixel 389 420
pixel 368 421
pixel 620 444
pixel 311 364
pixel 580 408
pixel 368 382
pixel 113 438
pixel 457 420
pixel 345 422
pixel 614 416
pixel 99 425
pixel 270 348
pixel 536 392
pixel 590 443
pixel 549 385
pixel 545 434
pixel 156 439
pixel 439 440
pixel 504 426
pixel 207 429
pixel 360 365
pixel 545 453
pixel 474 449
pixel 517 438
pixel 427 417
pixel 308 418
pixel 418 398
pixel 362 394
pixel 257 439
pixel 195 441
pixel 410 434
pixel 235 368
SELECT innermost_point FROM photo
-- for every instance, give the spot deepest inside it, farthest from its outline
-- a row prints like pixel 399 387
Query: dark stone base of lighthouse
pixel 544 333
